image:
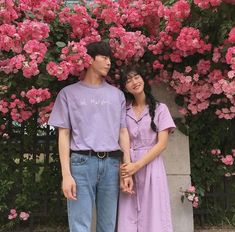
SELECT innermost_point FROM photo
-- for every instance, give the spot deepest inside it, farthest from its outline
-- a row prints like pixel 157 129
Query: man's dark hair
pixel 99 48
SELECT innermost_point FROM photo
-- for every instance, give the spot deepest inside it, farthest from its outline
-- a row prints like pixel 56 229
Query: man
pixel 91 117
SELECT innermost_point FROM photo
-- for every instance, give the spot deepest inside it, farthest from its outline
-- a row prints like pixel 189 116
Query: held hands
pixel 69 188
pixel 128 169
pixel 126 180
pixel 126 185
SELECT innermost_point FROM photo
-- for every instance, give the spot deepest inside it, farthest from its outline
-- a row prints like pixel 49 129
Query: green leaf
pixel 182 199
pixel 60 44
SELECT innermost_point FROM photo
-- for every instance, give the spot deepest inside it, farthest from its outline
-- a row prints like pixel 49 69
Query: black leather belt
pixel 101 155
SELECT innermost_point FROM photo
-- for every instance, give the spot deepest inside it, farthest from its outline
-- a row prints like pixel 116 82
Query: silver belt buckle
pixel 102 156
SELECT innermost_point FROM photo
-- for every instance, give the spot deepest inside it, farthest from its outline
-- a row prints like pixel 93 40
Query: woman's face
pixel 134 83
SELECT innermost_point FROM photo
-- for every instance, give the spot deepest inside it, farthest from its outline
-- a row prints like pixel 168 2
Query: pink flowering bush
pixel 191 195
pixel 225 160
pixel 184 44
pixel 21 215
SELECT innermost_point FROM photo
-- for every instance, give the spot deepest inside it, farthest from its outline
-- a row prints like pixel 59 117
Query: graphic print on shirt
pixel 93 101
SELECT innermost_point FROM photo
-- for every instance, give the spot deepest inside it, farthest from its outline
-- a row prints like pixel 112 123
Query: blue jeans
pixel 97 184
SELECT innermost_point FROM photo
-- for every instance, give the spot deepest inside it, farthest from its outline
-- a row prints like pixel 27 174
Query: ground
pixel 216 229
pixel 59 229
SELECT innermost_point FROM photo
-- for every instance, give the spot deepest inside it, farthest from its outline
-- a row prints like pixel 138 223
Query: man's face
pixel 101 65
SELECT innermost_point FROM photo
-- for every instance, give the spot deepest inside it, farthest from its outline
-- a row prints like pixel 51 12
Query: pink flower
pixel 233 152
pixel 231 37
pixel 13 214
pixel 195 204
pixel 216 55
pixel 24 216
pixel 196 199
pixel 231 74
pixel 215 152
pixel 203 66
pixel 190 197
pixel 183 111
pixel 230 57
pixel 191 189
pixel 4 106
pixel 157 65
pixel 188 69
pixel 228 160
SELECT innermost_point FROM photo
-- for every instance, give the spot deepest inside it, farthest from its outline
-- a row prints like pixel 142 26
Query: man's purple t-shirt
pixel 95 115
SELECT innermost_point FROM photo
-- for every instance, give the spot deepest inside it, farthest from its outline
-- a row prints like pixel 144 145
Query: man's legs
pixel 107 194
pixel 84 172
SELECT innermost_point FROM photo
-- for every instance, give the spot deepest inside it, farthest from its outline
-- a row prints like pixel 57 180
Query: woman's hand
pixel 128 169
pixel 126 185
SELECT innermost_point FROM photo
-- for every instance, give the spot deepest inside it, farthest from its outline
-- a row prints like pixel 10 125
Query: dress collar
pixel 131 113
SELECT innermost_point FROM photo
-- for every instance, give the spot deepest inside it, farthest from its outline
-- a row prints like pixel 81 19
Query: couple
pixel 93 121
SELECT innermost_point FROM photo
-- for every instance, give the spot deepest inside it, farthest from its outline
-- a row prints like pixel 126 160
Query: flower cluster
pixel 205 4
pixel 21 215
pixel 44 113
pixel 37 95
pixel 178 11
pixel 83 25
pixel 227 159
pixel 30 30
pixel 231 35
pixel 7 13
pixel 230 57
pixel 127 45
pixel 189 41
pixel 42 10
pixel 19 110
pixel 3 106
pixel 191 195
pixel 74 60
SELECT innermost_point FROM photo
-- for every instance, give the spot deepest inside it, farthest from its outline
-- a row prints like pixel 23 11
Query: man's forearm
pixel 64 150
pixel 124 142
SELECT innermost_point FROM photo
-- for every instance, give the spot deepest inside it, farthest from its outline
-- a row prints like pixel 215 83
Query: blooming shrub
pixel 185 44
pixel 191 195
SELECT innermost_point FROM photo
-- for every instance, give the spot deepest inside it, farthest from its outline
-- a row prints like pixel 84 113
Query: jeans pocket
pixel 77 159
pixel 115 162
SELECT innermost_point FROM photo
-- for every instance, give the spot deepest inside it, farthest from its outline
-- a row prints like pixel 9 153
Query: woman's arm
pixel 126 184
pixel 129 169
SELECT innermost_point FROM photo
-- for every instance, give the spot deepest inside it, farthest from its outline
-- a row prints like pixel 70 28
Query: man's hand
pixel 128 169
pixel 126 185
pixel 69 188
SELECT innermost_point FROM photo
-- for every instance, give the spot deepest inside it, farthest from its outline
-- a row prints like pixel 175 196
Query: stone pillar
pixel 177 162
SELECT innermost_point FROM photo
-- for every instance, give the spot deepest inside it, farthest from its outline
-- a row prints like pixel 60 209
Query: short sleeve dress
pixel 148 210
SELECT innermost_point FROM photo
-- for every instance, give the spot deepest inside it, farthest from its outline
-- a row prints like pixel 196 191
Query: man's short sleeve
pixel 123 111
pixel 163 119
pixel 59 116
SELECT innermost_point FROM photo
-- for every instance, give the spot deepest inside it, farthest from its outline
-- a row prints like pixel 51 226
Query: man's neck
pixel 92 78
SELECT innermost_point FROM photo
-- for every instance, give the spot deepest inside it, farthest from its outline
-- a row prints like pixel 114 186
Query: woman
pixel 149 124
